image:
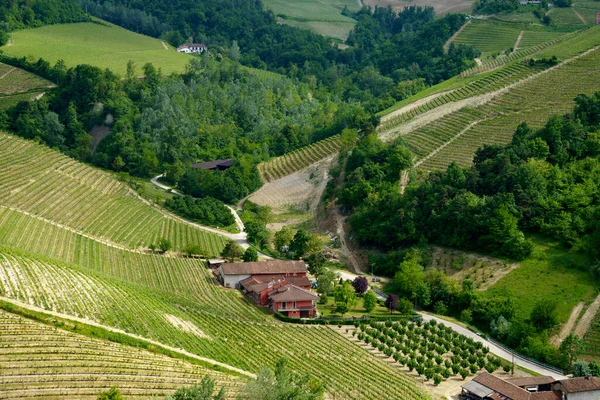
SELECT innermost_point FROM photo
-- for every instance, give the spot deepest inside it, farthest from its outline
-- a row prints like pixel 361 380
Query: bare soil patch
pixel 302 189
pixel 185 326
pixel 441 7
pixel 584 323
pixel 483 270
pixel 98 132
pixel 568 326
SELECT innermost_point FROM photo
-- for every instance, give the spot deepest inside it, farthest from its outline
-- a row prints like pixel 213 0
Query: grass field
pixel 488 37
pixel 90 43
pixel 322 17
pixel 565 16
pixel 552 273
pixel 588 10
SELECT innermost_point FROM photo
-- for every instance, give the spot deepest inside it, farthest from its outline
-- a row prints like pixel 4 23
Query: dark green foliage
pixel 32 13
pixel 204 391
pixel 250 255
pixel 111 394
pixel 369 301
pixel 206 210
pixel 231 251
pixel 163 245
pixel 282 383
pixel 543 315
pixel 495 7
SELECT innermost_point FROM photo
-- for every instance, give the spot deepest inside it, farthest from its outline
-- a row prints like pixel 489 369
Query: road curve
pixel 494 349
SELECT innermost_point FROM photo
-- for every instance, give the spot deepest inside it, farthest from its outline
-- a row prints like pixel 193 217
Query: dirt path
pixel 518 41
pixel 115 330
pixel 340 221
pixel 580 17
pixel 584 323
pixel 478 62
pixel 448 108
pixel 410 106
pixel 164 45
pixel 452 139
pixel 8 72
pixel 453 37
pixel 568 326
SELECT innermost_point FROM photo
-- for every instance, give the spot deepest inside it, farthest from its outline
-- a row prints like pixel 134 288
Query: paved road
pixel 500 352
pixel 239 238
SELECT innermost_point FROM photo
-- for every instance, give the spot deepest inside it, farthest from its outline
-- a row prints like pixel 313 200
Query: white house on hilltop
pixel 192 48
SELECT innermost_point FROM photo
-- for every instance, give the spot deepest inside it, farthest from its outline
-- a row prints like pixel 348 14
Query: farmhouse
pixel 192 48
pixel 293 301
pixel 220 165
pixel 486 386
pixel 258 287
pixel 231 274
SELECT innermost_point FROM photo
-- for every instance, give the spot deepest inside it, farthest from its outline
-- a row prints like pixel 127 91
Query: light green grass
pixel 488 37
pixel 328 310
pixel 90 43
pixel 337 30
pixel 588 10
pixel 564 16
pixel 552 273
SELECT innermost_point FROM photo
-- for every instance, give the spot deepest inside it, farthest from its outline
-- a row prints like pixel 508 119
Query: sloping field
pixel 245 343
pixel 48 184
pixel 17 84
pixel 91 43
pixel 41 361
pixel 299 159
pixel 488 37
pixel 447 129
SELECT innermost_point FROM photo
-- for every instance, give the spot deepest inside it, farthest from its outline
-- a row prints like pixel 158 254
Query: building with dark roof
pixel 583 388
pixel 486 386
pixel 293 301
pixel 231 274
pixel 219 165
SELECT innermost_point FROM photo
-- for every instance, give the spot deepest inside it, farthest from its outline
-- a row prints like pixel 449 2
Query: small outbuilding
pixel 192 48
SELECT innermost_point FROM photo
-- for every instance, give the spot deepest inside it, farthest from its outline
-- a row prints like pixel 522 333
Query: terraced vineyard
pixel 591 340
pixel 488 37
pixel 89 200
pixel 184 323
pixel 41 361
pixel 555 91
pixel 295 161
pixel 496 80
pixel 17 84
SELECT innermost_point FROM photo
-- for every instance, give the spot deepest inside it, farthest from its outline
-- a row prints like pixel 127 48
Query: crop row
pixel 298 159
pixel 243 343
pixel 38 360
pixel 554 94
pixel 17 80
pixel 497 80
pixel 486 36
pixel 45 183
pixel 491 64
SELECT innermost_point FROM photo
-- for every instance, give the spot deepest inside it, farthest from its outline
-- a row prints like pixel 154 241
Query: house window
pixel 283 305
pixel 294 305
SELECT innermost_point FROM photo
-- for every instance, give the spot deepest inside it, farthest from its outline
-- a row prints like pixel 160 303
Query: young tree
pixel 341 308
pixel 581 368
pixel 404 306
pixel 391 301
pixel 192 249
pixel 299 243
pixel 250 255
pixel 543 316
pixel 315 262
pixel 283 237
pixel 282 384
pixel 204 391
pixel 570 348
pixel 118 163
pixel 164 245
pixel 231 251
pixel 369 301
pixel 112 394
pixel 361 284
pixel 345 294
pixel 325 281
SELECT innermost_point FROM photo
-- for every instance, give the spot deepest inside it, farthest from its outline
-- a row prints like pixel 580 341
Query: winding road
pixel 240 238
pixel 494 349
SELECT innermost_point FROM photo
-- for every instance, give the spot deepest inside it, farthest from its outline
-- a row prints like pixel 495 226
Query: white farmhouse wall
pixel 591 395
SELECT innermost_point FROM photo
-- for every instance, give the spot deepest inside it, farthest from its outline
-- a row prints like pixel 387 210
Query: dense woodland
pixel 544 181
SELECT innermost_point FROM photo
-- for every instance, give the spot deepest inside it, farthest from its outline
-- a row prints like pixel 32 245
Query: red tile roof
pixel 292 293
pixel 501 386
pixel 264 268
pixel 531 380
pixel 583 384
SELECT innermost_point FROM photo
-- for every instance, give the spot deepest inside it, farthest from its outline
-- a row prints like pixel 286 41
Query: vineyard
pixel 38 360
pixel 432 350
pixel 488 37
pixel 50 185
pixel 458 132
pixel 17 84
pixel 245 342
pixel 299 159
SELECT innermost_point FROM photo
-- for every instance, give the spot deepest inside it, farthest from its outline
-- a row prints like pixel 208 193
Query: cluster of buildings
pixel 486 386
pixel 192 48
pixel 280 285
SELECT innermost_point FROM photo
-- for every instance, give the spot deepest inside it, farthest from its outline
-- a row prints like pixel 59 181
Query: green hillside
pixel 100 45
pixel 17 84
pixel 68 235
pixel 322 17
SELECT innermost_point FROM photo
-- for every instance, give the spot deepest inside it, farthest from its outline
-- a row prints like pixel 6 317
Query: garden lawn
pixel 95 44
pixel 328 310
pixel 551 273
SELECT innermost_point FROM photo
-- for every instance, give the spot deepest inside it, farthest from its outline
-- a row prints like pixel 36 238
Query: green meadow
pixel 100 45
